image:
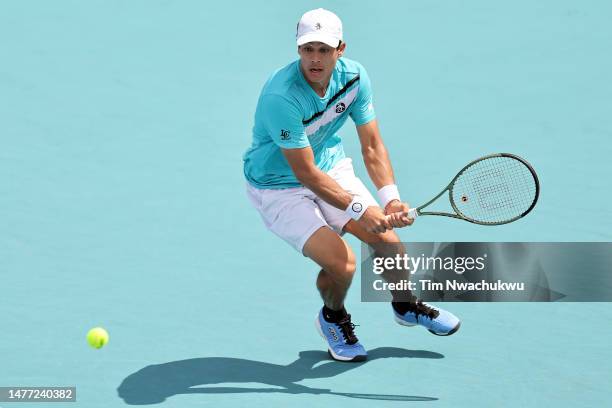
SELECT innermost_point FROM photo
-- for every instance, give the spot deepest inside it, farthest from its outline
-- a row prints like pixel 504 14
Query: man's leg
pixel 337 262
pixel 295 216
pixel 408 310
pixel 384 245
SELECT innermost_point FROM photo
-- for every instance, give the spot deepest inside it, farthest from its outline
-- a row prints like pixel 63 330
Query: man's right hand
pixel 374 220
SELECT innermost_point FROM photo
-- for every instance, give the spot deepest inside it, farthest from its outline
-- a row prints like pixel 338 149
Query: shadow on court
pixel 154 383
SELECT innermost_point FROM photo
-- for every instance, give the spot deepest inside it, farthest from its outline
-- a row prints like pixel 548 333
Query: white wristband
pixel 387 194
pixel 356 208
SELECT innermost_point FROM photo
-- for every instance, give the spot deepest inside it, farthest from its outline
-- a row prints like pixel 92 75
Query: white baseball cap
pixel 319 25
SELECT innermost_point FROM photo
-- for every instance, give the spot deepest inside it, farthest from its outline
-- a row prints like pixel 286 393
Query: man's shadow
pixel 154 383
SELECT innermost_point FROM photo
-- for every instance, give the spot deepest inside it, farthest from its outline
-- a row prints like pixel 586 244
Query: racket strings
pixel 494 190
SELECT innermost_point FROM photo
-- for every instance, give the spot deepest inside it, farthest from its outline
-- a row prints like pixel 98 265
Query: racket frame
pixel 414 212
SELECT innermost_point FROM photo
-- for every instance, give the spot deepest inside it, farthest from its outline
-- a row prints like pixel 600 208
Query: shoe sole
pixel 331 352
pixel 454 330
pixel 355 359
pixel 405 323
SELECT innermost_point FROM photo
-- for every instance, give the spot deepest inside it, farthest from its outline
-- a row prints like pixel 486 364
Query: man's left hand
pixel 397 214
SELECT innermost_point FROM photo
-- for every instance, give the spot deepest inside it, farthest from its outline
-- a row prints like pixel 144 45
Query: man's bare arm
pixel 379 168
pixel 303 166
pixel 375 155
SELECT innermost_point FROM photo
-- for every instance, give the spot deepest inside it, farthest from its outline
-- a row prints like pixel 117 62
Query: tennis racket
pixel 493 190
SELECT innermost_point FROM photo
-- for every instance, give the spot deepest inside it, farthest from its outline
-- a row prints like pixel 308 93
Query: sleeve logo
pixel 284 135
pixel 341 107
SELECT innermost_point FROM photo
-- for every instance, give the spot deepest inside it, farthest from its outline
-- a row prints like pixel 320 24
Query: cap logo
pixel 318 26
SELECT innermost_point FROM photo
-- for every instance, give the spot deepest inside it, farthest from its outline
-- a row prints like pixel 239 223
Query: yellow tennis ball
pixel 97 337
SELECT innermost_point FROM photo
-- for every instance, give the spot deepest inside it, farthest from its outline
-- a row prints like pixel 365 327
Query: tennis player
pixel 305 189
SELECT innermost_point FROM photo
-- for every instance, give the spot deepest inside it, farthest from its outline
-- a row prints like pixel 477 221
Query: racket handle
pixel 412 213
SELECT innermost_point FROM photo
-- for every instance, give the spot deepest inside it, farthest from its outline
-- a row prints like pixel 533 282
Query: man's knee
pixel 342 267
pixel 332 253
pixel 388 245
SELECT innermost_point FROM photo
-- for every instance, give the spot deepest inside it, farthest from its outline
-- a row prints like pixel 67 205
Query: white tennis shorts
pixel 294 214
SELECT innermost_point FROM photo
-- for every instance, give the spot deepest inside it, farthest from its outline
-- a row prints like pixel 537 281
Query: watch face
pixel 357 207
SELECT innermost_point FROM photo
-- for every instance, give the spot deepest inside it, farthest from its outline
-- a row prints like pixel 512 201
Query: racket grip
pixel 412 213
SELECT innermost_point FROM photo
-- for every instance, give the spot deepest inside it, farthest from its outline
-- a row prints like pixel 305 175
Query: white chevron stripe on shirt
pixel 330 113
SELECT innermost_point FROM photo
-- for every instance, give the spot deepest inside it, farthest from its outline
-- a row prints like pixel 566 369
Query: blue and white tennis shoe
pixel 436 320
pixel 342 343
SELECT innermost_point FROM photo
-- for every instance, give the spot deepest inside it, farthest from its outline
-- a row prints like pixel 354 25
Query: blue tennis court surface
pixel 122 203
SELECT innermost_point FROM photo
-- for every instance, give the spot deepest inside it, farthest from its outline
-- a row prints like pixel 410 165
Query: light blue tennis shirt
pixel 290 115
